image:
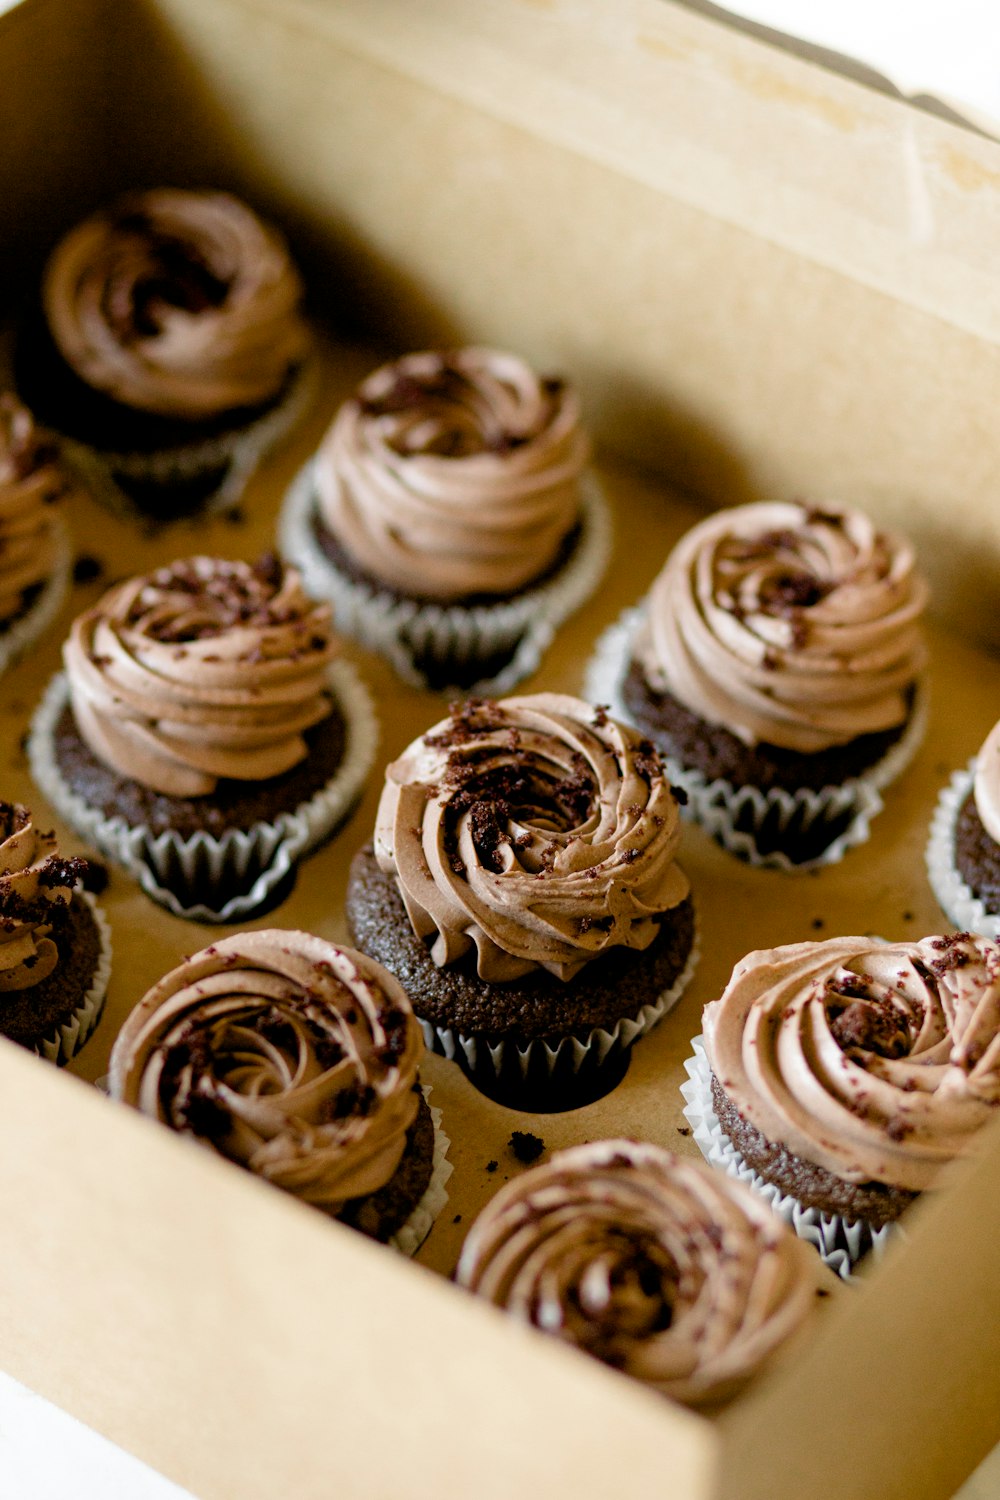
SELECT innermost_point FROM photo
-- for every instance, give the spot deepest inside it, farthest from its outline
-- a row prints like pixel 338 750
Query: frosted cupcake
pixel 659 1267
pixel 523 886
pixel 204 733
pixel 963 853
pixel 55 948
pixel 35 552
pixel 776 663
pixel 298 1060
pixel 170 351
pixel 449 516
pixel 842 1077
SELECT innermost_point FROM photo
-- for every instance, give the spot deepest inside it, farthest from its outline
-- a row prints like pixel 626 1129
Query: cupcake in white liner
pixel 777 664
pixel 169 351
pixel 449 517
pixel 55 945
pixel 963 851
pixel 523 887
pixel 36 556
pixel 647 1261
pixel 843 1077
pixel 298 1060
pixel 203 736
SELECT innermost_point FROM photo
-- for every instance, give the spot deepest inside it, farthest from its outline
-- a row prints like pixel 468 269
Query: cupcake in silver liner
pixel 204 736
pixel 449 518
pixel 840 1242
pixel 851 1073
pixel 737 817
pixel 298 1060
pixel 168 350
pixel 523 885
pixel 963 850
pixel 55 946
pixel 647 1261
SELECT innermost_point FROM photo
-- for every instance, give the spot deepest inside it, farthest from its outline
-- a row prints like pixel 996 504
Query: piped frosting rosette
pixel 972 797
pixel 204 670
pixel 37 888
pixel 35 552
pixel 791 627
pixel 288 1055
pixel 871 1065
pixel 184 305
pixel 448 483
pixel 655 1265
pixel 535 834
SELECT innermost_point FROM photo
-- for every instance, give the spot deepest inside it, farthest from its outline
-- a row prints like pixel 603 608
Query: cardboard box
pixel 765 280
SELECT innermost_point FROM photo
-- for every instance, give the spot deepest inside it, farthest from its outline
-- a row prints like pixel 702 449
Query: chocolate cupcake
pixel 169 351
pixel 449 517
pixel 776 663
pixel 298 1060
pixel 842 1077
pixel 658 1266
pixel 35 551
pixel 523 888
pixel 963 852
pixel 55 947
pixel 203 733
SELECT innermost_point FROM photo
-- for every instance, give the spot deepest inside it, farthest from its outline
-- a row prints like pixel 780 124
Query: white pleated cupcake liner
pixel 451 636
pixel 411 1236
pixel 840 1242
pixel 720 807
pixel 240 452
pixel 262 855
pixel 957 900
pixel 569 1053
pixel 67 1039
pixel 26 629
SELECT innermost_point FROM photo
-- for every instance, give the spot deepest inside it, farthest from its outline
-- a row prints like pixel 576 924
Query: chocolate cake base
pixel 875 1203
pixel 233 804
pixel 977 856
pixel 380 1215
pixel 32 1016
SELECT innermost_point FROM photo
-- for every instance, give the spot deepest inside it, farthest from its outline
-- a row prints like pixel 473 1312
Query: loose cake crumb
pixel 683 1130
pixel 491 1166
pixel 87 569
pixel 525 1146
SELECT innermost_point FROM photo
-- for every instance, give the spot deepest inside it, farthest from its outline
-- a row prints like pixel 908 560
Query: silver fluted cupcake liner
pixel 411 1236
pixel 27 628
pixel 249 864
pixel 840 1242
pixel 67 1039
pixel 569 1053
pixel 450 637
pixel 736 816
pixel 957 900
pixel 239 452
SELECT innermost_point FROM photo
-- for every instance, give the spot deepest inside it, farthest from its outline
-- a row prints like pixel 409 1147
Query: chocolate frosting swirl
pixel 178 303
pixel 31 485
pixel 876 1061
pixel 292 1056
pixel 658 1266
pixel 201 670
pixel 34 884
pixel 453 474
pixel 535 829
pixel 790 626
pixel 986 785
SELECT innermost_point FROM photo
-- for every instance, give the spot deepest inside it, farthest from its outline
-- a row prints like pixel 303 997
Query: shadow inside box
pixel 537 1090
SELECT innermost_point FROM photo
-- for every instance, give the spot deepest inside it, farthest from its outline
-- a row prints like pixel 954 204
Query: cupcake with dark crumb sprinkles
pixel 963 853
pixel 35 550
pixel 842 1077
pixel 298 1060
pixel 205 734
pixel 55 947
pixel 523 886
pixel 450 518
pixel 777 664
pixel 169 351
